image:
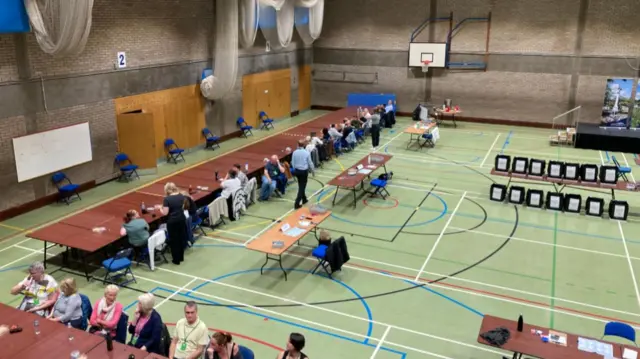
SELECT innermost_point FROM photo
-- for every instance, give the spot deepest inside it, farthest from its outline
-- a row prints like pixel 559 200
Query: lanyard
pixel 186 336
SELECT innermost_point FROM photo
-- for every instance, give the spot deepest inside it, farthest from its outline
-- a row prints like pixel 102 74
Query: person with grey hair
pixel 146 327
pixel 191 335
pixel 40 291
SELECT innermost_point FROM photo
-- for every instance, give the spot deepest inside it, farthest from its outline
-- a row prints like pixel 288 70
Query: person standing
pixel 173 208
pixel 191 335
pixel 302 164
pixel 375 130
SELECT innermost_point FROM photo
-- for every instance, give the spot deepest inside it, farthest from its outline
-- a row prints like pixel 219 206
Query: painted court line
pixel 175 293
pixel 438 275
pixel 444 229
pixel 380 342
pixel 633 275
pixel 489 151
pixel 387 143
pixel 626 163
pixel 338 330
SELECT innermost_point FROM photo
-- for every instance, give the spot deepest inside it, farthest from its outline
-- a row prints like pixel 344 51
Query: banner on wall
pixel 617 103
pixel 635 116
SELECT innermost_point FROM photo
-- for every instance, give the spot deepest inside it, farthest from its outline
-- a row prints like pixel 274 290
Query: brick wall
pixel 534 69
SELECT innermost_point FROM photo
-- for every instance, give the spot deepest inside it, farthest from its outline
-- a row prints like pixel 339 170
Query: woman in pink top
pixel 106 312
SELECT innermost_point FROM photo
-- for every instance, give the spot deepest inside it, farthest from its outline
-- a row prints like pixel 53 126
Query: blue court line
pixel 454 301
pixel 606 153
pixel 14 268
pixel 506 142
pixel 355 293
pixel 442 213
pixel 301 326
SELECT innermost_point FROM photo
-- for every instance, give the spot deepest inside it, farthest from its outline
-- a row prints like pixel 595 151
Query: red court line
pixel 371 205
pixel 474 290
pixel 255 340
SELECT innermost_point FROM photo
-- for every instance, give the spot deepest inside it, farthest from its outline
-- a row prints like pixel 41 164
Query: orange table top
pixel 264 243
pixel 421 129
pixel 344 180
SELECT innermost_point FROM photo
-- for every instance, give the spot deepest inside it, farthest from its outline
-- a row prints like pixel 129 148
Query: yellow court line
pixel 339 163
pixel 11 227
pixel 29 230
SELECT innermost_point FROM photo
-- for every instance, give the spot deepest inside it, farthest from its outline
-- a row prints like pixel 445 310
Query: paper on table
pixel 629 354
pixel 365 171
pixel 294 232
pixel 304 223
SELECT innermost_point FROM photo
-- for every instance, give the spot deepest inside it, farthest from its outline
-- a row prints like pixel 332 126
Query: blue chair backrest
pixel 262 113
pixel 206 132
pixel 245 352
pixel 121 329
pixel 240 121
pixel 58 177
pixel 87 310
pixel 169 142
pixel 615 161
pixel 125 253
pixel 121 157
pixel 621 330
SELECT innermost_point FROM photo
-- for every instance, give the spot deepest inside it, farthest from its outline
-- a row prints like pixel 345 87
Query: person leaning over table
pixel 223 347
pixel 241 175
pixel 173 208
pixel 146 327
pixel 136 229
pixel 189 205
pixel 40 291
pixel 191 335
pixel 68 307
pixel 106 312
pixel 295 344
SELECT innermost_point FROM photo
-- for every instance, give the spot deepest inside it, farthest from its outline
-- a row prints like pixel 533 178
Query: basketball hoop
pixel 425 65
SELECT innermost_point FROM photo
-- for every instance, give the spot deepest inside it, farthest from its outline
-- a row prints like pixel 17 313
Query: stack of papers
pixel 294 232
pixel 365 171
pixel 594 346
pixel 629 354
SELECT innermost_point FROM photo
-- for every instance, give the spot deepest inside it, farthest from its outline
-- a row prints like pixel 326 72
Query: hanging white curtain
pixel 226 52
pixel 61 27
pixel 277 21
pixel 249 16
pixel 309 15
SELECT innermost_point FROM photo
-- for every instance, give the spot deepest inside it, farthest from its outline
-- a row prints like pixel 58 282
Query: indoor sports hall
pixel 500 189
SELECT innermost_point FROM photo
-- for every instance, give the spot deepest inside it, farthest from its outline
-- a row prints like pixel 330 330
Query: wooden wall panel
pixel 266 91
pixel 177 113
pixel 136 138
pixel 304 87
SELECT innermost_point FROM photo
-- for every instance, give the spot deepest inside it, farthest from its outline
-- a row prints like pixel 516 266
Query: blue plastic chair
pixel 622 170
pixel 428 140
pixel 244 127
pixel 87 310
pixel 380 188
pixel 620 330
pixel 266 121
pixel 196 222
pixel 174 153
pixel 121 329
pixel 119 266
pixel 212 141
pixel 65 191
pixel 320 253
pixel 245 352
pixel 127 168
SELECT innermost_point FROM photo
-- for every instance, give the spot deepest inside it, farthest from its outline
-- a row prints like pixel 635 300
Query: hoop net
pixel 425 65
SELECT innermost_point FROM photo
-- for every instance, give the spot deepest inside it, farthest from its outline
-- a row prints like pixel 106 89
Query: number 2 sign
pixel 122 60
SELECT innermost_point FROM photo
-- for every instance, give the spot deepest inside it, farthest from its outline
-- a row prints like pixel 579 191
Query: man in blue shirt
pixel 272 179
pixel 301 163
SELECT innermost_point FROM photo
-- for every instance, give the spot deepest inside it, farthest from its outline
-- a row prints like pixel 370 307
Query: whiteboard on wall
pixel 46 152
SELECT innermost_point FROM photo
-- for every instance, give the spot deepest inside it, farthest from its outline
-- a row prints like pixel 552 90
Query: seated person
pixel 222 347
pixel 295 344
pixel 230 183
pixel 272 179
pixel 334 132
pixel 106 312
pixel 68 307
pixel 135 228
pixel 347 130
pixel 314 139
pixel 356 123
pixel 241 175
pixel 146 327
pixel 325 134
pixel 190 335
pixel 40 291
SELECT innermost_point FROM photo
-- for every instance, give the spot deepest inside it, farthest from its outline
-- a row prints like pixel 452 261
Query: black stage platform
pixel 593 137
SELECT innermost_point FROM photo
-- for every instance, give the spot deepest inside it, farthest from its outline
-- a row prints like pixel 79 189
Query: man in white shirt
pixel 334 133
pixel 191 335
pixel 230 184
pixel 40 291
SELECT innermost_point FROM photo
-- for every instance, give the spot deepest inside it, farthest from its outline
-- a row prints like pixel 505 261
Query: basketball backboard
pixel 433 51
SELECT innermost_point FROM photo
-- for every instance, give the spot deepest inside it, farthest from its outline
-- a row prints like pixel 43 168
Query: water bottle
pixel 143 208
pixel 75 354
pixel 369 160
pixel 109 342
pixel 131 356
pixel 70 331
pixel 520 323
pixel 36 326
pixel 246 167
pixel 216 175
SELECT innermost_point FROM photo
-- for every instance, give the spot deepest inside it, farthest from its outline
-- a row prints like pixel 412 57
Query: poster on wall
pixel 635 115
pixel 617 103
